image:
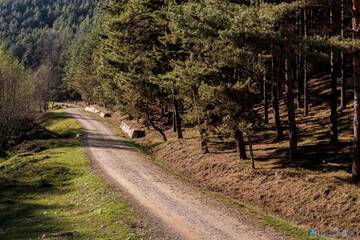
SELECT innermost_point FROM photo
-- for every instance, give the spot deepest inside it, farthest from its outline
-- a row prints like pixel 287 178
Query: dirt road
pixel 185 211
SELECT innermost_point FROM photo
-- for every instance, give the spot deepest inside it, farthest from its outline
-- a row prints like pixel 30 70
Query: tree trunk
pixel 174 121
pixel 169 120
pixel 333 101
pixel 343 82
pixel 240 144
pixel 178 119
pixel 290 104
pixel 251 152
pixel 356 73
pixel 151 122
pixel 300 81
pixel 275 101
pixel 342 63
pixel 157 129
pixel 305 84
pixel 333 73
pixel 265 95
pixel 298 59
pixel 204 141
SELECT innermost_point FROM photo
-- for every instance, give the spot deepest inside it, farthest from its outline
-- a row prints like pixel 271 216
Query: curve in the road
pixel 182 208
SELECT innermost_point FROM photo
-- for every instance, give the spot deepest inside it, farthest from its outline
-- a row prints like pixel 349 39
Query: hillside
pixel 31 29
pixel 314 191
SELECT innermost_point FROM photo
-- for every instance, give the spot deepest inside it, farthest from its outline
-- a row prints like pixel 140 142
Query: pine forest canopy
pixel 30 28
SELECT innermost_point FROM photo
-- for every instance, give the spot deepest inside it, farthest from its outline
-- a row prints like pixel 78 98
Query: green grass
pixel 280 225
pixel 47 191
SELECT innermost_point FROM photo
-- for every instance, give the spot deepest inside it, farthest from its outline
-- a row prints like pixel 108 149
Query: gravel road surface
pixel 184 211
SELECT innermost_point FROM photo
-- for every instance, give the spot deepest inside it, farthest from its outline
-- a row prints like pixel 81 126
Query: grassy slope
pixel 47 190
pixel 313 192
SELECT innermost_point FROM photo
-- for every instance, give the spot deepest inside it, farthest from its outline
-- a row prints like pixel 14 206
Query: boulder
pixel 92 109
pixel 104 114
pixel 132 132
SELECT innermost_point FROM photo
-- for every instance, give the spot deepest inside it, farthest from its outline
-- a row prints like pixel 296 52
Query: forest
pixel 221 66
pixel 37 33
pixel 255 102
pixel 34 40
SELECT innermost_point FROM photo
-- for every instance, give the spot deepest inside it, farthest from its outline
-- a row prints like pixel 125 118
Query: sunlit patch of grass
pixel 62 124
pixel 52 194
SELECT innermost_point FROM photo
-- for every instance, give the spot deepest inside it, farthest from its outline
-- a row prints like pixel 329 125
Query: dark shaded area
pixel 26 177
pixel 315 157
pixel 317 154
pixel 26 130
pixel 218 147
pixel 99 141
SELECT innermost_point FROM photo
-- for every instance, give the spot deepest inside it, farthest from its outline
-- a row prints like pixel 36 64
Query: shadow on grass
pixel 326 157
pixel 145 148
pixel 320 156
pixel 218 146
pixel 23 218
pixel 20 217
pixel 52 117
pixel 27 178
pixel 315 157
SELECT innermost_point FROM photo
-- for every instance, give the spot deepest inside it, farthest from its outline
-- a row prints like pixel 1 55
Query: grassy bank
pixel 151 146
pixel 313 192
pixel 279 224
pixel 47 191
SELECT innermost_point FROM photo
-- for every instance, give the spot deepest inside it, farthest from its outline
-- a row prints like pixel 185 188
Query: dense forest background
pixel 38 32
pixel 35 36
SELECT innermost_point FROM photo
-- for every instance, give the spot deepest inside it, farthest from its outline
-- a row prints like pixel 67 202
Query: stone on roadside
pixel 132 132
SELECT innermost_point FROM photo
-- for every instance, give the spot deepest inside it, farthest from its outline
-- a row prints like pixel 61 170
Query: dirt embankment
pixel 314 192
pixel 311 198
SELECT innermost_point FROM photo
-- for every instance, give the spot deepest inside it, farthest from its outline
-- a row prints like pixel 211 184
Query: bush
pixel 17 99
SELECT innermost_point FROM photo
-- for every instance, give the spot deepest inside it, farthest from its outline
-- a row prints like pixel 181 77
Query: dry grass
pixel 315 191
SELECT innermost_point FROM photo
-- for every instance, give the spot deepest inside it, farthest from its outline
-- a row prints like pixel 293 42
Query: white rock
pixel 105 115
pixel 132 133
